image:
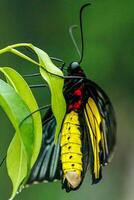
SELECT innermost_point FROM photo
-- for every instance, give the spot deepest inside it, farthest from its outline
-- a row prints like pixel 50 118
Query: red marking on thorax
pixel 78 92
pixel 77 99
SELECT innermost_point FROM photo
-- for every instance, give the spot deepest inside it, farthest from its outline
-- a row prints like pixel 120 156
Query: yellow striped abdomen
pixel 71 155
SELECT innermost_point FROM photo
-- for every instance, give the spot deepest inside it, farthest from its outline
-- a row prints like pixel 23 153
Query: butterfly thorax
pixel 75 95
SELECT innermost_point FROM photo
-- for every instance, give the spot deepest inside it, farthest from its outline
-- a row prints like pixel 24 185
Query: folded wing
pixel 47 166
pixel 100 126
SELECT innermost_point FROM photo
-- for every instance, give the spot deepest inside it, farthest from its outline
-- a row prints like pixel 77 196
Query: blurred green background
pixel 108 59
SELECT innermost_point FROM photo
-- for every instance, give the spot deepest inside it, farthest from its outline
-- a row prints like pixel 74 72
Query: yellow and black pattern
pixel 93 120
pixel 87 138
pixel 71 155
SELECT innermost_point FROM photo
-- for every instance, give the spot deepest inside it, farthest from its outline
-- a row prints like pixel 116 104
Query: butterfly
pixel 88 132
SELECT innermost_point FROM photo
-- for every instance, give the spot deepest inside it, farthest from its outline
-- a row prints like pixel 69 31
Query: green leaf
pixel 47 68
pixel 16 163
pixel 55 83
pixel 22 88
pixel 17 110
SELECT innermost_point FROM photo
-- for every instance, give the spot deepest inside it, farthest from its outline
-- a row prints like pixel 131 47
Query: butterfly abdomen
pixel 71 155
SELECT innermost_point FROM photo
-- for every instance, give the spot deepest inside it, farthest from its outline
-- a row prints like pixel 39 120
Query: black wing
pixel 100 126
pixel 47 166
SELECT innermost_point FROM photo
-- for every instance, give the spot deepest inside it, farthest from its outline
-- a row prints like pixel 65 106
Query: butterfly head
pixel 73 67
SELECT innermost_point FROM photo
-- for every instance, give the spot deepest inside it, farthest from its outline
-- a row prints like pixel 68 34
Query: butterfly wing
pixel 47 166
pixel 100 126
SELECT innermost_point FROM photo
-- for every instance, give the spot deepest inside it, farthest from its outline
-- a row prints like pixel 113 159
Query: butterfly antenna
pixel 81 30
pixel 73 39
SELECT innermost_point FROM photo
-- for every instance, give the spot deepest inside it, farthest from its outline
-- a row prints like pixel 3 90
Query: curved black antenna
pixel 81 30
pixel 73 39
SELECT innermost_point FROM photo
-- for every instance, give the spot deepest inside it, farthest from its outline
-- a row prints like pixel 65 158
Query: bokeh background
pixel 108 59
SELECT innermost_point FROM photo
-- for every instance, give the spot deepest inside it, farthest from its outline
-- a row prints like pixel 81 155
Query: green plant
pixel 18 102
